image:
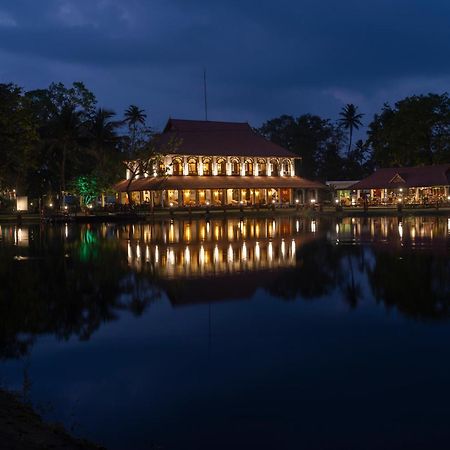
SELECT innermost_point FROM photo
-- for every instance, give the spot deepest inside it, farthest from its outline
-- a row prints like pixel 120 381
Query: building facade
pixel 217 163
pixel 407 185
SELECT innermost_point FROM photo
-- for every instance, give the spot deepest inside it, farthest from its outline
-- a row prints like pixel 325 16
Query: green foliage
pixel 87 188
pixel 416 131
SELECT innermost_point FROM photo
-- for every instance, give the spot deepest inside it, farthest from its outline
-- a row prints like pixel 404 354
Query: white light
pixel 51 205
pixel 171 204
pixel 448 198
pixel 336 201
pixel 313 200
pixel 401 189
pixel 296 200
pixel 399 200
pixel 207 203
pixel 273 201
pixel 65 207
pixel 241 202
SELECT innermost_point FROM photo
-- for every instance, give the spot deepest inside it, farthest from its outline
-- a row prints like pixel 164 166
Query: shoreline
pixel 21 428
pixel 220 213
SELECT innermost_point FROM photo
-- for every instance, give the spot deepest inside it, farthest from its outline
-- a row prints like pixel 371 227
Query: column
pixel 163 194
pixel 228 166
pixel 316 195
pixel 242 166
pixel 180 197
pixel 214 165
pixel 200 166
pixel 185 166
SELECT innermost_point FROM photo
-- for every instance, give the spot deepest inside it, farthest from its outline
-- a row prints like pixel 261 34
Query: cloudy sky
pixel 263 58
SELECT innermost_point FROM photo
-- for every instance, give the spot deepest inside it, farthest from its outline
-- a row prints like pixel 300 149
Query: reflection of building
pixel 218 163
pixel 183 249
pixel 426 184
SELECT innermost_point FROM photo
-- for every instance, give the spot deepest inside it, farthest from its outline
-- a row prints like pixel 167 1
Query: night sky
pixel 263 58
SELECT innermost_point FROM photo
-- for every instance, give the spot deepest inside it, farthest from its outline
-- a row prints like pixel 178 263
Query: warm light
pixel 296 200
pixel 241 202
pixel 90 206
pixel 51 205
pixel 336 201
pixel 65 207
pixel 207 203
pixel 399 200
pixel 401 189
pixel 273 201
pixel 171 204
pixel 313 200
pixel 448 198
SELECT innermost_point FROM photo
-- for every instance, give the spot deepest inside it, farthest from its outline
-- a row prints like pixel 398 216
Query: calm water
pixel 262 334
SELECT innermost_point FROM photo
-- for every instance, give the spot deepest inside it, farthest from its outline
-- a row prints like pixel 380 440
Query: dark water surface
pixel 266 334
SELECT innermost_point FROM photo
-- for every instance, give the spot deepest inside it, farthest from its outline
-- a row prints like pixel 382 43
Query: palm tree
pixel 350 119
pixel 133 118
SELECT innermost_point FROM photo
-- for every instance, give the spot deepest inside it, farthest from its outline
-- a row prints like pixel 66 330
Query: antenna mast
pixel 204 91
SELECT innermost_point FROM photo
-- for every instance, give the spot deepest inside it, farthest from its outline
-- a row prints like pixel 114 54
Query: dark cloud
pixel 263 57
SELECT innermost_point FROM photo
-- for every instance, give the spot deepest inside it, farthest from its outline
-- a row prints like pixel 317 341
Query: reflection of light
pixel 66 231
pixel 187 233
pixel 171 257
pixel 201 256
pixel 187 255
pixel 230 255
pixel 283 248
pixel 156 254
pixel 129 252
pixel 216 254
pixel 257 251
pixel 270 251
pixel 313 226
pixel 400 230
pixel 413 233
pixel 337 228
pixel 293 248
pixel 297 226
pixel 147 254
pixel 244 251
pixel 208 226
pixel 138 252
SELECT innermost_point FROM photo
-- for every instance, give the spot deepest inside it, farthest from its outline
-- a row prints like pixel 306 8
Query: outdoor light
pixel 296 200
pixel 90 206
pixel 448 198
pixel 399 200
pixel 401 189
pixel 273 201
pixel 241 202
pixel 207 203
pixel 336 201
pixel 313 200
pixel 65 207
pixel 51 205
pixel 171 204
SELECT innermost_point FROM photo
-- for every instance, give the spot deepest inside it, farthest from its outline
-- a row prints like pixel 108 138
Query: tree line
pixel 58 140
pixel 414 131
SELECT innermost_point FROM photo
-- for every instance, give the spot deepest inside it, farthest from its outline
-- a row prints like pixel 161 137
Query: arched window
pixel 177 166
pixel 249 167
pixel 207 166
pixel 275 168
pixel 262 167
pixel 235 167
pixel 286 168
pixel 221 166
pixel 192 166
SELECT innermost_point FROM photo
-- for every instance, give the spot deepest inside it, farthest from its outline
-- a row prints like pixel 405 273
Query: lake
pixel 281 333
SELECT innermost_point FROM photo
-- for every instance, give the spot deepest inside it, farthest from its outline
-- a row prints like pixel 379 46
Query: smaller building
pixel 408 185
pixel 342 191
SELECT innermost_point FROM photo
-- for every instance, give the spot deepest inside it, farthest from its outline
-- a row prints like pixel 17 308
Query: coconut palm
pixel 134 117
pixel 350 120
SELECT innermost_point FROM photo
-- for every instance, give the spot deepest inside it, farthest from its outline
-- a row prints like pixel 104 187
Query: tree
pixel 415 131
pixel 350 120
pixel 18 137
pixel 103 143
pixel 135 118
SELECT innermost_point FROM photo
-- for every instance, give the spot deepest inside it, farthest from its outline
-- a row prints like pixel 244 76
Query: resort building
pixel 408 185
pixel 218 163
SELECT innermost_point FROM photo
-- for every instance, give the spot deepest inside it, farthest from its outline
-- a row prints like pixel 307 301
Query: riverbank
pixel 223 213
pixel 23 429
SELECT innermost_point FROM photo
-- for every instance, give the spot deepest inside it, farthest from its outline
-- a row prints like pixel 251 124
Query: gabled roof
pixel 397 177
pixel 207 138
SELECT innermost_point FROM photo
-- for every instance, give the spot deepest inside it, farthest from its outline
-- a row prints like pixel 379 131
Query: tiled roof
pixel 397 177
pixel 216 182
pixel 206 138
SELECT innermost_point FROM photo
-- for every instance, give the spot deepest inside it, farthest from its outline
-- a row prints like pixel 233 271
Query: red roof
pixel 397 177
pixel 216 182
pixel 206 138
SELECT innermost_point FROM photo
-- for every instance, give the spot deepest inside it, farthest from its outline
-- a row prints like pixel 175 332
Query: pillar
pixel 180 197
pixel 185 166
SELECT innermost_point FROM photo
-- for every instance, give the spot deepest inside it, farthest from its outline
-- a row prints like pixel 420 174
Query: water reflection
pixel 93 272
